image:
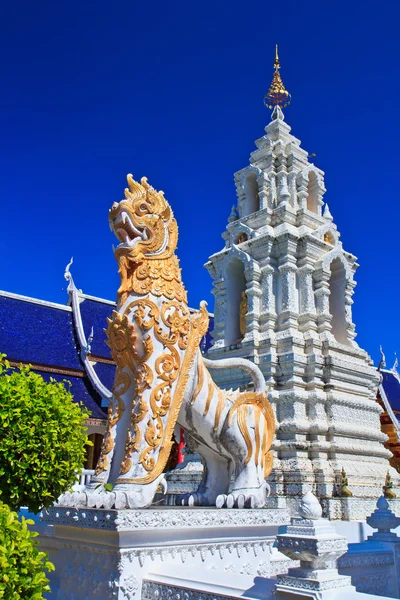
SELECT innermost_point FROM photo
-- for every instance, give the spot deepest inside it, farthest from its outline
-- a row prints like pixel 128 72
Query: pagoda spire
pixel 277 94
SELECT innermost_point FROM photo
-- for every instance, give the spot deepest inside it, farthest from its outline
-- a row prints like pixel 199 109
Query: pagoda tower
pixel 283 287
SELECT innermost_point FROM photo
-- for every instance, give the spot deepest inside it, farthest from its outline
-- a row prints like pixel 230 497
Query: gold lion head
pixel 145 227
pixel 143 223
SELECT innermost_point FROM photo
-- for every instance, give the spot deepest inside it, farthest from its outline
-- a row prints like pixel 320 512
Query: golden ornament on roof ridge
pixel 277 94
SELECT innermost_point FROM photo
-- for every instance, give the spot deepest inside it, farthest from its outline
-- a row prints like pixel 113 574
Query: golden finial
pixel 344 485
pixel 388 487
pixel 277 93
pixel 276 63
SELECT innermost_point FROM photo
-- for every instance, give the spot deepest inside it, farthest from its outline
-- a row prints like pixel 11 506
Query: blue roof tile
pixel 36 333
pixel 391 385
pixel 81 391
pixel 94 314
pixel 105 373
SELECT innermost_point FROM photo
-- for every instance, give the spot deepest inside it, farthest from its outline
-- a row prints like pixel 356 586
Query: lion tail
pixel 240 363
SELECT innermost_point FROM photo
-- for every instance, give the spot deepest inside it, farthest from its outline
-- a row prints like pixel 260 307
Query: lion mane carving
pixel 162 379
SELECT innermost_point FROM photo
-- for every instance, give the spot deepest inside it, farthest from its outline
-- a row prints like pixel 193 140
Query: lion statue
pixel 162 379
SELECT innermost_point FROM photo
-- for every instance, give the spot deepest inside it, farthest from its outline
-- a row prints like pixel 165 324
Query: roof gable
pixel 94 314
pixel 391 385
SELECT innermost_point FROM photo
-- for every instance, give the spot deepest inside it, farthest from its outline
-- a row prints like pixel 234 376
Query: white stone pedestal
pixel 316 544
pixel 102 553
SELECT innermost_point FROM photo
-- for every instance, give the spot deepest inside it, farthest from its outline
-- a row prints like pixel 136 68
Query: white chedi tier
pixel 284 251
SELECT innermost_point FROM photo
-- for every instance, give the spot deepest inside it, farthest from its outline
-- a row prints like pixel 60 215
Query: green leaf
pixel 42 438
pixel 22 565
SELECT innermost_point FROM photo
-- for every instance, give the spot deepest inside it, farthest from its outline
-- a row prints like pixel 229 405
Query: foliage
pixel 42 438
pixel 21 563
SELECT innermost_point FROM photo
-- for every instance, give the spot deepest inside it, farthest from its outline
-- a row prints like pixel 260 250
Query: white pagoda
pixel 283 287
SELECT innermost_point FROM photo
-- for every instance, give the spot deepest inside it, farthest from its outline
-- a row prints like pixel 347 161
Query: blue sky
pixel 174 90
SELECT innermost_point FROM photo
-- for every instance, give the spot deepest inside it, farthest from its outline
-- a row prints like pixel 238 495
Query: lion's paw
pixel 195 499
pixel 237 499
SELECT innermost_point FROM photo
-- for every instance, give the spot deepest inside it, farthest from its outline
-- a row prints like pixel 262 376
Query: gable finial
pixel 68 275
pixel 277 94
pixel 67 272
pixel 382 363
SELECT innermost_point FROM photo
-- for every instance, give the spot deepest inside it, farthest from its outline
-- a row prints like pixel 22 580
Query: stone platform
pixel 102 553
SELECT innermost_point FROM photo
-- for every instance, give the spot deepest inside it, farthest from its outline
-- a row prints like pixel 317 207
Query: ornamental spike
pixel 233 215
pixel 327 213
pixel 277 94
pixel 276 63
pixel 68 277
pixel 382 363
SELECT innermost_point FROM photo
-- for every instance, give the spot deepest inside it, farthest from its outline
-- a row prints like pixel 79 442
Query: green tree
pixel 21 564
pixel 42 438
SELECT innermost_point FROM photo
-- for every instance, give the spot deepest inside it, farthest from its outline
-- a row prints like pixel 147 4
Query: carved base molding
pixel 167 518
pixel 155 590
pixel 102 553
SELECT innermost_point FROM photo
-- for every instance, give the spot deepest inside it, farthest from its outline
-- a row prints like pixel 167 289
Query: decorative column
pixel 348 301
pixel 268 309
pixel 254 292
pixel 322 293
pixel 273 196
pixel 240 194
pixel 219 292
pixel 288 313
pixel 307 310
pixel 292 187
pixel 283 194
pixel 288 273
pixel 320 202
pixel 302 183
pixel 263 190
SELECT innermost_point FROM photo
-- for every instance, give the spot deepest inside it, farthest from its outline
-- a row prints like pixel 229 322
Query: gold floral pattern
pixel 170 326
pixel 198 327
pixel 122 340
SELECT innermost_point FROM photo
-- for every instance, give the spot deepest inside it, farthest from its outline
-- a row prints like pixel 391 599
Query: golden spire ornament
pixel 277 94
pixel 388 491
